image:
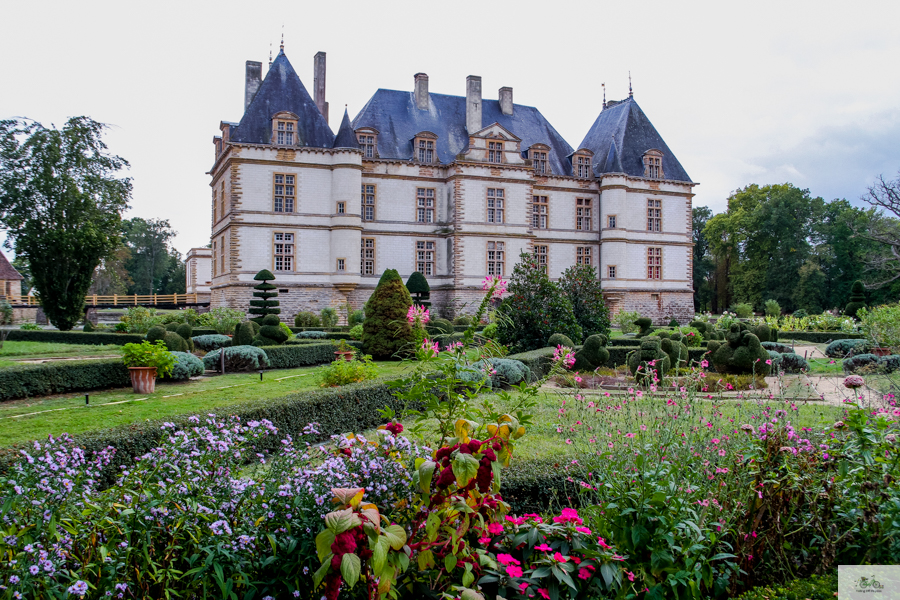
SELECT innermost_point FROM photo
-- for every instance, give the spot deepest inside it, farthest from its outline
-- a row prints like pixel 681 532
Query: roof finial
pixel 282 37
pixel 604 95
pixel 630 93
pixel 270 55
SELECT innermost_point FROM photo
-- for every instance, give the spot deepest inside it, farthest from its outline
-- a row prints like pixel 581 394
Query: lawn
pixel 112 408
pixel 26 350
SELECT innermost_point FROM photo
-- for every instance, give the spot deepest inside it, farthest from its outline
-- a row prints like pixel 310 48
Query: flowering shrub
pixel 342 372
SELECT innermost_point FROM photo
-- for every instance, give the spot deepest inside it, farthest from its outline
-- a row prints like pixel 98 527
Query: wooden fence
pixel 119 300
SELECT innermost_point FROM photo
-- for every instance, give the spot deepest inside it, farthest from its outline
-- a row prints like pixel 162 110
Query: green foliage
pixel 30 327
pixel 810 290
pixel 534 309
pixel 701 327
pixel 237 358
pixel 881 325
pixel 73 337
pixel 211 342
pixel 244 333
pixel 61 203
pixel 858 362
pixel 490 331
pixel 6 313
pixel 649 364
pixel 307 319
pixel 271 333
pixel 173 327
pixel 186 366
pixel 61 377
pixel 440 326
pixel 582 286
pixel 740 352
pixel 146 354
pixel 293 356
pixel 418 287
pixel 341 372
pixel 560 339
pixel 743 310
pixel 186 332
pixel 356 332
pixel 503 371
pixel 800 313
pixel 149 264
pixel 88 326
pixel 313 335
pixel 464 320
pixel 793 363
pixel 592 355
pixel 817 587
pixel 676 351
pixel 776 347
pixel 175 343
pixel 857 299
pixel 841 348
pixel 222 319
pixel 386 332
pixel 328 317
pixel 357 317
pixel 139 319
pixel 266 303
pixel 773 309
pixel 643 324
pixel 764 332
pixel 625 320
pixel 820 337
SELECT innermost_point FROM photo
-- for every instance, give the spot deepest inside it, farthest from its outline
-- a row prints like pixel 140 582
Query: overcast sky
pixel 761 92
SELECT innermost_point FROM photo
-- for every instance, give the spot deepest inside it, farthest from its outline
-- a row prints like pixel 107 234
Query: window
pixel 284 252
pixel 540 212
pixel 284 133
pixel 654 263
pixel 539 161
pixel 495 152
pixel 367 257
pixel 583 217
pixel 284 193
pixel 654 215
pixel 582 166
pixel 611 271
pixel 541 255
pixel 214 249
pixel 495 205
pixel 341 208
pixel 611 221
pixel 222 201
pixel 496 258
pixel 222 255
pixel 426 151
pixel 425 257
pixel 583 255
pixel 653 164
pixel 425 205
pixel 341 262
pixel 367 144
pixel 215 205
pixel 368 202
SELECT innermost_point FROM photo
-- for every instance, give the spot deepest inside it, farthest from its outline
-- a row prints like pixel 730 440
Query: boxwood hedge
pixel 74 337
pixel 299 355
pixel 538 361
pixel 60 377
pixel 818 337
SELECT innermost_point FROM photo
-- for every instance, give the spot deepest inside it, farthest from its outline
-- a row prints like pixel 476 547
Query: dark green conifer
pixel 386 332
pixel 265 305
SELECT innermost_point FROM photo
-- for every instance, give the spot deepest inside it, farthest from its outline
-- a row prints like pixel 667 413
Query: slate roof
pixel 282 90
pixel 7 271
pixel 345 137
pixel 619 138
pixel 397 119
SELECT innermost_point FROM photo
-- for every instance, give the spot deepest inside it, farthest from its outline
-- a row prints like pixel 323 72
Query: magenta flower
pixel 514 571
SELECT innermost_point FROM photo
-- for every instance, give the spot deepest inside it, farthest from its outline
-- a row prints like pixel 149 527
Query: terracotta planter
pixel 143 379
pixel 881 351
pixel 347 355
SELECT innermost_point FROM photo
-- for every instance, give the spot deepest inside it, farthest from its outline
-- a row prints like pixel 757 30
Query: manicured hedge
pixel 196 331
pixel 299 355
pixel 618 355
pixel 74 337
pixel 818 337
pixel 625 341
pixel 337 329
pixel 538 361
pixel 537 485
pixel 60 377
pixel 349 408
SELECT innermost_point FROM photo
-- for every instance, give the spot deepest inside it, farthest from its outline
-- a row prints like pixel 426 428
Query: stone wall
pixel 662 307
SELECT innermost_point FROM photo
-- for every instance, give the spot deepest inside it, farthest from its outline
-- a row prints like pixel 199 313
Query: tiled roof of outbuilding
pixel 7 271
pixel 619 138
pixel 282 90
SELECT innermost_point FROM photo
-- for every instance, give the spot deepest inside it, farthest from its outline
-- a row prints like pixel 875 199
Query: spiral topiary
pixel 271 333
pixel 265 305
pixel 593 354
pixel 649 361
pixel 559 339
pixel 645 323
pixel 740 352
pixel 857 299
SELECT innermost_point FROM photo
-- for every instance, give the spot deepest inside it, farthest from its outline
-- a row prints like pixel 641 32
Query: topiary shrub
pixel 644 324
pixel 329 317
pixel 593 354
pixel 265 303
pixel 419 289
pixel 244 333
pixel 676 351
pixel 582 286
pixel 156 333
pixel 559 339
pixel 88 326
pixel 504 371
pixel 490 331
pixel 765 333
pixel 776 347
pixel 857 299
pixel 440 326
pixel 740 352
pixel 271 333
pixel 186 366
pixel 386 331
pixel 674 323
pixel 793 363
pixel 175 343
pixel 700 326
pixel 307 319
pixel 889 364
pixel 356 332
pixel 842 348
pixel 211 342
pixel 649 362
pixel 775 357
pixel 186 332
pixel 464 320
pixel 173 327
pixel 357 317
pixel 237 358
pixel 855 363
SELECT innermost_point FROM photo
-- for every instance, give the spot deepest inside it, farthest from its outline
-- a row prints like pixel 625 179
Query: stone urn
pixel 143 379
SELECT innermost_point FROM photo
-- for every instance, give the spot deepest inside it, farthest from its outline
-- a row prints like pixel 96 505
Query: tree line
pixel 779 242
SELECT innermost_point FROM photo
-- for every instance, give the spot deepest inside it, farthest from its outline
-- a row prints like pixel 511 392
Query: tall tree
pixel 704 265
pixel 148 240
pixel 61 200
pixel 111 276
pixel 884 230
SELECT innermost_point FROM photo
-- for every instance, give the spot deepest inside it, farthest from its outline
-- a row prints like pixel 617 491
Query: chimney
pixel 421 91
pixel 253 79
pixel 473 104
pixel 506 103
pixel 319 83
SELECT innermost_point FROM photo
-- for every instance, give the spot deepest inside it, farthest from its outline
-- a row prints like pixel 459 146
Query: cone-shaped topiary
pixel 676 350
pixel 88 326
pixel 271 332
pixel 740 353
pixel 857 299
pixel 593 354
pixel 639 361
pixel 560 339
pixel 265 305
pixel 418 287
pixel 674 323
pixel 644 323
pixel 156 333
pixel 244 333
pixel 386 331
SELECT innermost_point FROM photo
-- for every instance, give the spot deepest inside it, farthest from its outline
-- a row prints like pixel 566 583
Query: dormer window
pixel 368 140
pixel 581 164
pixel 653 165
pixel 424 148
pixel 538 155
pixel 284 129
pixel 495 152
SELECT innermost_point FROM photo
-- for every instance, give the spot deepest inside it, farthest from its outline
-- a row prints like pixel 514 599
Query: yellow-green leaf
pixel 450 562
pixel 340 521
pixel 396 535
pixel 350 568
pixel 379 554
pixel 465 468
pixel 470 594
pixel 426 473
pixel 322 571
pixel 323 543
pixel 426 560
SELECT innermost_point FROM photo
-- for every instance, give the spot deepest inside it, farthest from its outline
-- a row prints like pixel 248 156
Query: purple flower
pixel 79 588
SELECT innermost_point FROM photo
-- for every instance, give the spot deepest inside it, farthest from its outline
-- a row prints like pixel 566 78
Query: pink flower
pixel 515 520
pixel 543 548
pixel 630 575
pixel 565 355
pixel 431 347
pixel 854 381
pixel 417 315
pixel 569 515
pixel 603 544
pixel 494 283
pixel 704 363
pixel 484 541
pixel 522 587
pixel 514 571
pixel 544 594
pixel 507 559
pixel 584 574
pixel 495 528
pixel 560 558
pixel 584 530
